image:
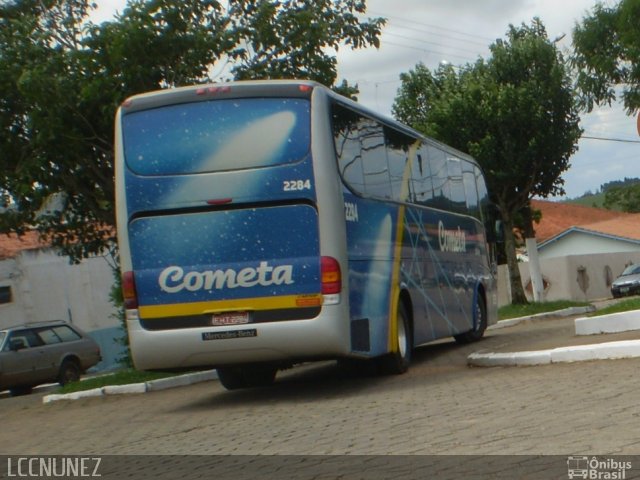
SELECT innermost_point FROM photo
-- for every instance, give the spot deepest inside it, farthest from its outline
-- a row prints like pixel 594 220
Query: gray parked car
pixel 40 353
pixel 628 283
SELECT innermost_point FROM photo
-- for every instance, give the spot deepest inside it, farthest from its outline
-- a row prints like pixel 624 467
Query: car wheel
pixel 22 390
pixel 233 378
pixel 479 324
pixel 69 372
pixel 398 362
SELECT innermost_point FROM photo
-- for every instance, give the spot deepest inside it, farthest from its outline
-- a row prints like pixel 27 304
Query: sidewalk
pixel 552 338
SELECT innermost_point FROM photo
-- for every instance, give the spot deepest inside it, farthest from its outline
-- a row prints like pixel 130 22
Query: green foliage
pixel 607 55
pixel 628 181
pixel 117 300
pixel 515 113
pixel 626 199
pixel 516 311
pixel 63 77
pixel 595 200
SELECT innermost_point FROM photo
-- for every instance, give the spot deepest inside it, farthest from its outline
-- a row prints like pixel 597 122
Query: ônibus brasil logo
pixel 593 468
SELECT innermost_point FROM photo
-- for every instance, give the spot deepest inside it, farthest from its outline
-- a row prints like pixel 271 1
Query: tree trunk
pixel 517 292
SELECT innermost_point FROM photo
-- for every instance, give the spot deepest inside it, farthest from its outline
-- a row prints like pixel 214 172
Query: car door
pixel 50 351
pixel 20 366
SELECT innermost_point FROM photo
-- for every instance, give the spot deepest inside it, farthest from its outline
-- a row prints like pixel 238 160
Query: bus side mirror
pixel 494 227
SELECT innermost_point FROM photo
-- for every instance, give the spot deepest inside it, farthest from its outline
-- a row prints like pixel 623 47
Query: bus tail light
pixel 129 291
pixel 331 276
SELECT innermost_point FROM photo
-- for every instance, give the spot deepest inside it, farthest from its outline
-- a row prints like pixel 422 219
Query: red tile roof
pixel 11 245
pixel 558 217
pixel 625 227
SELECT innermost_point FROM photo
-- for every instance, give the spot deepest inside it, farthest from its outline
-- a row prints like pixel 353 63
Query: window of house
pixel 5 295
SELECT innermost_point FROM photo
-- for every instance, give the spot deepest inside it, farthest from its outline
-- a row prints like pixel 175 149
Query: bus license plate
pixel 230 318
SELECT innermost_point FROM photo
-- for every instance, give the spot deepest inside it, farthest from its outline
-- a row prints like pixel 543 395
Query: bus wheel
pixel 233 378
pixel 398 362
pixel 480 324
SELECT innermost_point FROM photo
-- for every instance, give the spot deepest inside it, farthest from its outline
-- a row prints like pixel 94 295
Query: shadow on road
pixel 341 379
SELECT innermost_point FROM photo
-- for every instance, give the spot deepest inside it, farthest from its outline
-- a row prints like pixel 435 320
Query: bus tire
pixel 480 325
pixel 397 362
pixel 234 378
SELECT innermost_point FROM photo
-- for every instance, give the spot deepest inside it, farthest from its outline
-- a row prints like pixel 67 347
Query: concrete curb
pixel 599 351
pixel 567 312
pixel 150 386
pixel 612 323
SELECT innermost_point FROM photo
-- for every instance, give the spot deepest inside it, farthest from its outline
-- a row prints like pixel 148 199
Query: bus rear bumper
pixel 324 337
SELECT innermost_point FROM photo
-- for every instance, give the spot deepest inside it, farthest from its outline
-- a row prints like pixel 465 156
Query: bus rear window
pixel 216 135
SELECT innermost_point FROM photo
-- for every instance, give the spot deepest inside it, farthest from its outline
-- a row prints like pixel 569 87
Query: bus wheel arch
pixel 398 361
pixel 479 318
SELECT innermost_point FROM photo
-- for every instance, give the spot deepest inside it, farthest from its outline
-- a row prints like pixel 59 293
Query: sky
pixel 459 32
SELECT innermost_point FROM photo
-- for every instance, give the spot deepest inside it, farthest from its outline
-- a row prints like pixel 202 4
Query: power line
pixel 404 37
pixel 426 50
pixel 440 35
pixel 458 32
pixel 621 140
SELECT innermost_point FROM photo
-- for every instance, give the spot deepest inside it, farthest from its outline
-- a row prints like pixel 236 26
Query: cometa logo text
pixel 451 240
pixel 173 279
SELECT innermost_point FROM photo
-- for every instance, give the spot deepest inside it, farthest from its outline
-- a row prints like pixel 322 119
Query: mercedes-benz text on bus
pixel 266 223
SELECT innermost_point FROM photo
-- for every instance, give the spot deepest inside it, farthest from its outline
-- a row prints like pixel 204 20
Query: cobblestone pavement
pixel 441 406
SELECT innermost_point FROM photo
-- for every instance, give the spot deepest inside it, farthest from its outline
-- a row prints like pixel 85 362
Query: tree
pixel 607 55
pixel 625 198
pixel 63 77
pixel 515 113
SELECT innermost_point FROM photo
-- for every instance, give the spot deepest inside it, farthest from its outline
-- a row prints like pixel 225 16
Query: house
pixel 37 285
pixel 582 249
pixel 577 230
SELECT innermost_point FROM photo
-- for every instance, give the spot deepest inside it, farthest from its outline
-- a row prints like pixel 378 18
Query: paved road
pixel 440 406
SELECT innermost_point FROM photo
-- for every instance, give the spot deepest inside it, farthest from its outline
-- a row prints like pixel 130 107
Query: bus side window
pixel 377 182
pixel 483 195
pixel 398 148
pixel 348 149
pixel 440 178
pixel 470 189
pixel 421 182
pixel 456 184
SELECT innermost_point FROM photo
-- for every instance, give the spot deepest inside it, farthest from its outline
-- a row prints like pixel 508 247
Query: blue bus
pixel 267 223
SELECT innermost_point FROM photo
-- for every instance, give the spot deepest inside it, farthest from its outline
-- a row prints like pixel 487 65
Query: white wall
pixel 579 243
pixel 563 278
pixel 46 287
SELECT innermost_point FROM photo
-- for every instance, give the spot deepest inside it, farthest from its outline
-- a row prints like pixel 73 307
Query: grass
pixel 622 306
pixel 122 377
pixel 515 311
pixel 593 200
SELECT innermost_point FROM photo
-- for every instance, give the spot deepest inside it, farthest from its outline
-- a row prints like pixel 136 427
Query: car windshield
pixel 631 270
pixel 3 335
